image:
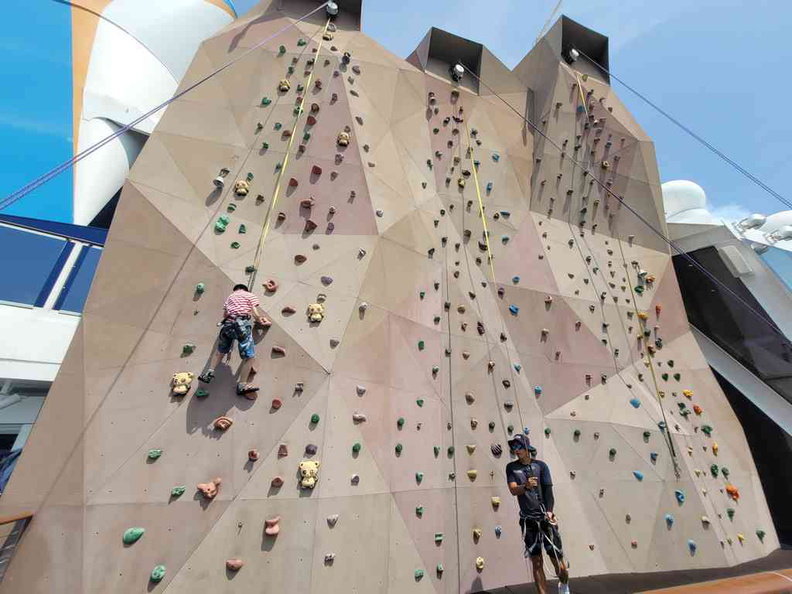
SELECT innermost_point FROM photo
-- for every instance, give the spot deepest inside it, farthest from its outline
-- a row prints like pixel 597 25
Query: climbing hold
pixel 421 345
pixel 687 393
pixel 638 474
pixel 222 423
pixel 514 310
pixel 314 419
pixel 732 492
pixel 234 564
pixel 612 452
pixel 760 535
pixel 419 477
pixel 472 474
pixel 180 382
pixel 692 546
pixel 253 455
pixel 480 563
pixel 669 520
pixel 272 526
pixel 399 448
pixel 329 558
pixel 359 417
pixel 419 511
pixel 309 471
pixel 276 482
pixel 714 470
pixel 132 535
pixel 419 573
pixel 356 447
pixel 157 573
pixel 400 422
pixel 495 502
pixel 154 454
pixel 315 312
pixel 209 490
pixel 680 496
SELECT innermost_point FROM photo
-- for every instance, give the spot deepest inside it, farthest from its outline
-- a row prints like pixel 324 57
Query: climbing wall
pixel 444 332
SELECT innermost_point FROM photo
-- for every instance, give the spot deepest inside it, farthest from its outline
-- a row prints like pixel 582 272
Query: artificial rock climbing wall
pixel 422 366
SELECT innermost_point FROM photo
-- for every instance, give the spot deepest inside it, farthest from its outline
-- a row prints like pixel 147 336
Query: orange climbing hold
pixel 209 490
pixel 732 491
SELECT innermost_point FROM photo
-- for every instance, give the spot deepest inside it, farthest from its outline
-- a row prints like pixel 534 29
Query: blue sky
pixel 716 65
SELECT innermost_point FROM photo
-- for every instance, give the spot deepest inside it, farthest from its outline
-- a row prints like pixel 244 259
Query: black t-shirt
pixel 531 503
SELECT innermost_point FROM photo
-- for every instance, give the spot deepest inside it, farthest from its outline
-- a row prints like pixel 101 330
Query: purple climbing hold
pixel 327 280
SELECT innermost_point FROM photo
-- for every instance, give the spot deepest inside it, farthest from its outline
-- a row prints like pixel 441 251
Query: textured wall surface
pixel 562 314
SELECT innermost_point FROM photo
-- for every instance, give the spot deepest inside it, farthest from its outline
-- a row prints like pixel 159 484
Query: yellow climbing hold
pixel 472 474
pixel 471 448
pixel 480 563
pixel 495 502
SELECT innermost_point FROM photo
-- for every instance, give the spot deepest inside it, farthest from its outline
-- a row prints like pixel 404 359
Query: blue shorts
pixel 541 533
pixel 240 330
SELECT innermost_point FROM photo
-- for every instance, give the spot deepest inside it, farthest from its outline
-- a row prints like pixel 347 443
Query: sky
pixel 718 66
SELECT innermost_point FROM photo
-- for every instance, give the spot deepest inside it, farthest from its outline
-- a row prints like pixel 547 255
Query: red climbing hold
pixel 277 482
pixel 253 455
pixel 311 120
pixel 308 202
pixel 299 258
pixel 270 286
pixel 222 423
pixel 288 310
pixel 309 225
pixel 276 403
pixel 316 170
pixel 293 183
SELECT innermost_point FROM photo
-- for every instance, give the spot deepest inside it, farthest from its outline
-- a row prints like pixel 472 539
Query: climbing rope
pixel 604 187
pixel 56 171
pixel 654 230
pixel 276 191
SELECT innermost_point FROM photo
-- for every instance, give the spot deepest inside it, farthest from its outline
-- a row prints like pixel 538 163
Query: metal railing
pixel 11 530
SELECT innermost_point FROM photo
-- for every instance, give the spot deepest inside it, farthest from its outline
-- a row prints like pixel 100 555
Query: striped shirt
pixel 240 303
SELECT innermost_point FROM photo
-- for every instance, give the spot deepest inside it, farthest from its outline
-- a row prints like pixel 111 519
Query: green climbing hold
pixel 419 511
pixel 307 136
pixel 132 535
pixel 422 294
pixel 450 451
pixel 420 402
pixel 440 568
pixel 158 573
pixel 421 345
pixel 264 146
pixel 188 349
pixel 438 537
pixel 231 207
pixel 278 125
pixel 356 447
pixel 714 470
pixel 265 101
pixel 400 422
pixel 221 223
pixel 707 430
pixel 419 477
pixel 670 362
pixel 510 429
pixel 725 472
pixel 491 425
pixel 235 245
pixel 436 451
pixel 576 433
pixel 730 512
pixel 314 419
pixel 665 377
pixel 301 42
pixel 435 370
pixel 761 534
pixel 548 431
pixel 419 573
pixel 282 49
pixel 290 69
pixel 250 269
pixel 201 393
pixel 647 435
pixel 178 491
pixel 639 289
pixel 154 454
pixel 612 452
pixel 242 229
pixel 677 376
pixel 399 448
pixel 200 288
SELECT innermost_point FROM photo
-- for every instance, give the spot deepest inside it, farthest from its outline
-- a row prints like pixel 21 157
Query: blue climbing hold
pixel 580 109
pixel 515 279
pixel 653 456
pixel 517 367
pixel 489 187
pixel 526 431
pixel 692 546
pixel 680 496
pixel 538 390
pixel 662 425
pixel 638 474
pixel 514 309
pixel 498 531
pixel 669 519
pixel 635 402
pixel 505 214
pixel 504 239
pixel 495 157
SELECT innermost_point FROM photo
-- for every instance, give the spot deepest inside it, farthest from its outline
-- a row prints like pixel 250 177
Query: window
pixel 29 261
pixel 75 291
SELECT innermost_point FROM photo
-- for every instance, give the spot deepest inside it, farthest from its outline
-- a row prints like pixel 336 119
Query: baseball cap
pixel 520 441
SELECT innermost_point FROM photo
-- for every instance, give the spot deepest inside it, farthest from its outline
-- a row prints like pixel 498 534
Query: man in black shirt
pixel 529 480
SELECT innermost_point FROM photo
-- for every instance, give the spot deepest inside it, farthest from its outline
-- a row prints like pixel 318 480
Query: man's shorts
pixel 240 330
pixel 541 533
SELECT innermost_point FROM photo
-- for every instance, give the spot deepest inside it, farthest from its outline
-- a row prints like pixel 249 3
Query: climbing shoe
pixel 246 390
pixel 207 376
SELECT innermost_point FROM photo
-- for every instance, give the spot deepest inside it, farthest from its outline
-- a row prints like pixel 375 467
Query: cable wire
pixel 56 171
pixel 654 230
pixel 691 133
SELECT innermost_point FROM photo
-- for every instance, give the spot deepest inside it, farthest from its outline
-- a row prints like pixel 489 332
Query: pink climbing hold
pixel 272 526
pixel 270 286
pixel 209 490
pixel 288 310
pixel 279 350
pixel 234 564
pixel 283 450
pixel 277 482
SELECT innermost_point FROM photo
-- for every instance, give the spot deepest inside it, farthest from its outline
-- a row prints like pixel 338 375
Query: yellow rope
pixel 481 204
pixel 580 88
pixel 276 192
